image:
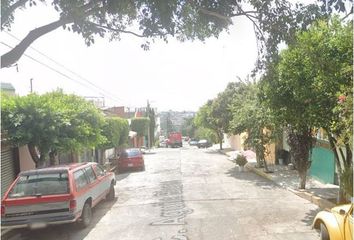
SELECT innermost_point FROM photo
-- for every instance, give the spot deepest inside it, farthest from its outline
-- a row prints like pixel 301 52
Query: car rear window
pixel 40 184
pixel 131 153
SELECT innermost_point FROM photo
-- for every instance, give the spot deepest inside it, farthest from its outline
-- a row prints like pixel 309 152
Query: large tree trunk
pixel 302 175
pixel 52 158
pixel 300 143
pixel 220 136
pixel 15 54
pixel 34 154
pixel 342 162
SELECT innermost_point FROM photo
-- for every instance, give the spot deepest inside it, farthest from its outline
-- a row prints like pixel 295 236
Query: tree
pixel 185 20
pixel 150 113
pixel 51 123
pixel 140 125
pixel 114 130
pixel 250 116
pixel 206 133
pixel 303 87
pixel 188 127
pixel 209 116
pixel 124 133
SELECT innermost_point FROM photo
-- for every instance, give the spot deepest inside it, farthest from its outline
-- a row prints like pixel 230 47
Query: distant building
pixel 8 88
pixel 116 112
pixel 97 101
pixel 173 120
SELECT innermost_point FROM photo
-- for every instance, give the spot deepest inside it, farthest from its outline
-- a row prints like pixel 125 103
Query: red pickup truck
pixel 174 139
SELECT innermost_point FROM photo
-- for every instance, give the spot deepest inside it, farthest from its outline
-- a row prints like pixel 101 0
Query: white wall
pixel 26 162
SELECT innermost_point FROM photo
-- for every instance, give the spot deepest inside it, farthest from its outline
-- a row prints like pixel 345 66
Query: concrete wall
pixel 234 142
pixel 270 153
pixel 26 162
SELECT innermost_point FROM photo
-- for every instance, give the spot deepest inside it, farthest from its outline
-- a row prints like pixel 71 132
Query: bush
pixel 241 160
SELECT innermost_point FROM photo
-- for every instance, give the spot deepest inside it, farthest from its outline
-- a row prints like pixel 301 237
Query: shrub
pixel 241 160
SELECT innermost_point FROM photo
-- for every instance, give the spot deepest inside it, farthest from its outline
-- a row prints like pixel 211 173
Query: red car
pixel 55 195
pixel 131 158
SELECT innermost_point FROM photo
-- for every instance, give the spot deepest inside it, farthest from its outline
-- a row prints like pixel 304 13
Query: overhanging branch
pixel 15 54
pixel 116 30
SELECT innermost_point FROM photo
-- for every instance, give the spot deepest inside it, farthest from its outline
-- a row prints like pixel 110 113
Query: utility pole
pixel 31 85
pixel 148 114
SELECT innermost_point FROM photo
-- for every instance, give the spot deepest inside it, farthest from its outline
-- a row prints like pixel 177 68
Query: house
pixel 323 166
pixel 8 88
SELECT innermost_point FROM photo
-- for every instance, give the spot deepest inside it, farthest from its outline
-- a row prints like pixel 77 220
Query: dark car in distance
pixel 193 142
pixel 204 143
pixel 131 158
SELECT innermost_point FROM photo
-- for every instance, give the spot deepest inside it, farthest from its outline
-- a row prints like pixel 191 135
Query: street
pixel 190 193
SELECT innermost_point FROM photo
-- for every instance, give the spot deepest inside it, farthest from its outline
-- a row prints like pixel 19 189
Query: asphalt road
pixel 190 193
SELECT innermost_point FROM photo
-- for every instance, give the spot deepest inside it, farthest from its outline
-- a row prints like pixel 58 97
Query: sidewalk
pixel 323 195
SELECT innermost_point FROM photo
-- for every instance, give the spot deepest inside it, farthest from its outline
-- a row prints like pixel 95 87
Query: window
pixel 99 170
pixel 80 179
pixel 90 174
pixel 133 153
pixel 41 184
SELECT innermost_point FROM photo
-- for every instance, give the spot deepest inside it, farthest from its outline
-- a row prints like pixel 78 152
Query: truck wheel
pixel 111 193
pixel 86 215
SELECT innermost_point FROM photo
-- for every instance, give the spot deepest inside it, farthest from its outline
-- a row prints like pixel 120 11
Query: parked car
pixel 55 195
pixel 335 224
pixel 163 143
pixel 193 142
pixel 131 158
pixel 204 143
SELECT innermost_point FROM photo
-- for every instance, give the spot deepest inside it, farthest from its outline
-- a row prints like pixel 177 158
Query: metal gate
pixel 8 169
pixel 323 165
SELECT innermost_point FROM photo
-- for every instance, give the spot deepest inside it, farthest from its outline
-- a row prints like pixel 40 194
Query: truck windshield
pixel 40 184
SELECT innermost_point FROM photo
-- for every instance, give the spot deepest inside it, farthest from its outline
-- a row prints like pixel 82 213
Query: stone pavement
pixel 323 195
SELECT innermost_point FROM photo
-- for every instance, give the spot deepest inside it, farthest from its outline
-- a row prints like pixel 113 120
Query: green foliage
pixel 188 127
pixel 140 125
pixel 241 160
pixel 210 116
pixel 116 131
pixel 53 122
pixel 273 22
pixel 215 114
pixel 206 133
pixel 302 88
pixel 124 133
pixel 151 115
pixel 251 116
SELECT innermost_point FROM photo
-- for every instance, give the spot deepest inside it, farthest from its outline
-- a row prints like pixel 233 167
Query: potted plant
pixel 241 161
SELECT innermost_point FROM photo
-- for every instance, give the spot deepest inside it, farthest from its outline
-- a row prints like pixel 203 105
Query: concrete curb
pixel 320 202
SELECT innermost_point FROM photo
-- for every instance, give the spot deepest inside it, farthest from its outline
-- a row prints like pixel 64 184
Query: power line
pixel 108 95
pixel 67 69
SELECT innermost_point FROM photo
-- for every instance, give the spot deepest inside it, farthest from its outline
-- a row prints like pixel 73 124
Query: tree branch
pixel 218 15
pixel 345 17
pixel 15 54
pixel 117 30
pixel 6 14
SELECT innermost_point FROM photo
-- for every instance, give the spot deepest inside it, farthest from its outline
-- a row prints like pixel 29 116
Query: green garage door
pixel 322 166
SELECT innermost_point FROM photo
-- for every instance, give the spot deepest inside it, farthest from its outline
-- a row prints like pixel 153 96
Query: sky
pixel 171 76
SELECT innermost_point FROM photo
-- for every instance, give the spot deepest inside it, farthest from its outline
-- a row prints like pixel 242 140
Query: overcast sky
pixel 173 76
